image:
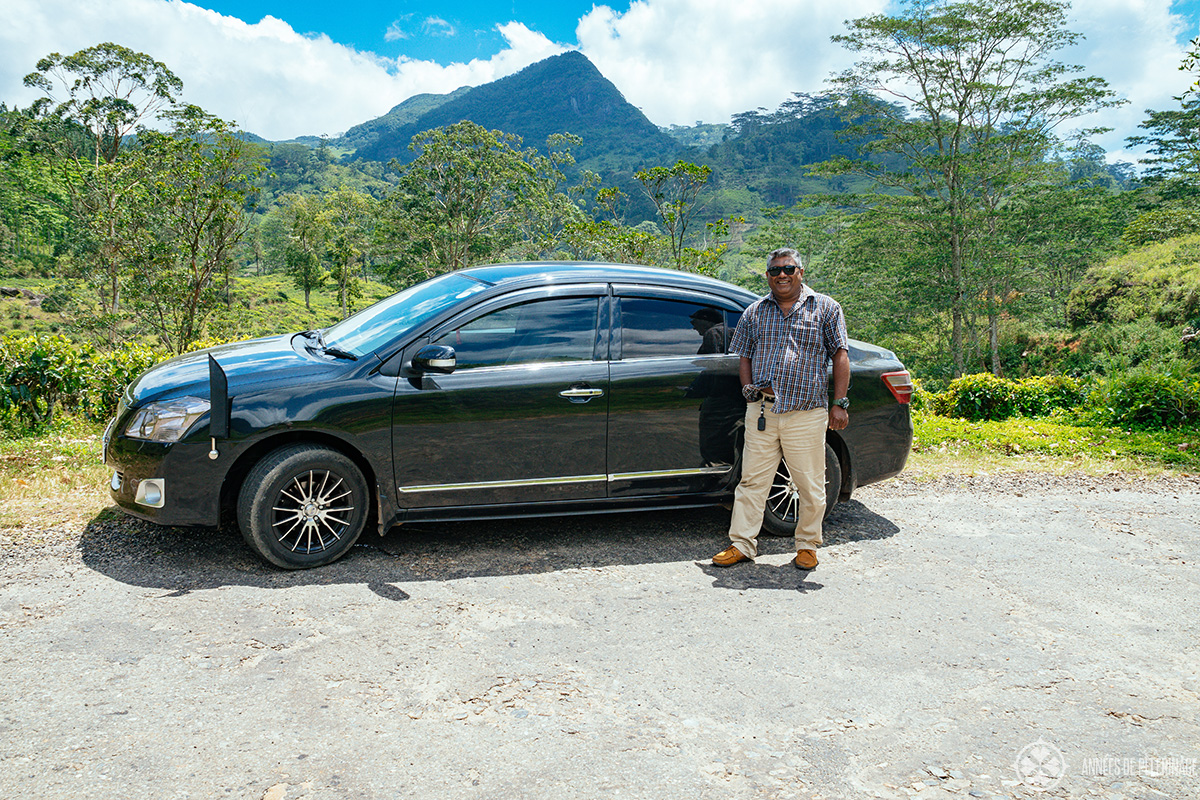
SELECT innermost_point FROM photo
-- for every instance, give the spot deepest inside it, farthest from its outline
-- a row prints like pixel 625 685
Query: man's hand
pixel 838 418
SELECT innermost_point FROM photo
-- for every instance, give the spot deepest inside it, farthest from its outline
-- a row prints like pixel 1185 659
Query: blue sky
pixel 440 31
pixel 285 69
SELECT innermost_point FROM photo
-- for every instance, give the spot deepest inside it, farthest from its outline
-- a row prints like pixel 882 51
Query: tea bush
pixel 1147 399
pixel 987 397
pixel 41 375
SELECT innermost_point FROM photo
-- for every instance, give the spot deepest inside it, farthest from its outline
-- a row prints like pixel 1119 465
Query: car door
pixel 523 416
pixel 675 403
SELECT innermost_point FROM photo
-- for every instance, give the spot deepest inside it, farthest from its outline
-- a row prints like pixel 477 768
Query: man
pixel 785 342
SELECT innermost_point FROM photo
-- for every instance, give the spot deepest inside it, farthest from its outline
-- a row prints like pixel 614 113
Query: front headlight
pixel 166 421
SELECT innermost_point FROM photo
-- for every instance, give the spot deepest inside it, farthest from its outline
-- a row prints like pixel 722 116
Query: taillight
pixel 899 384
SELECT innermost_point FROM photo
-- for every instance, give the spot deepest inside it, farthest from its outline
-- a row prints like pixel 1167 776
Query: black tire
pixel 303 506
pixel 780 516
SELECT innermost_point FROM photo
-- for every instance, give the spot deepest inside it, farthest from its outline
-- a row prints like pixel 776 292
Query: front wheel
pixel 303 506
pixel 783 502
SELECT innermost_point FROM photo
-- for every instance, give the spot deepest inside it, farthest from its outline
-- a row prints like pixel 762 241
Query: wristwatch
pixel 842 402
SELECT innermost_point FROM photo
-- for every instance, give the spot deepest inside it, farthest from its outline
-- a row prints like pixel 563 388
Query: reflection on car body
pixel 498 391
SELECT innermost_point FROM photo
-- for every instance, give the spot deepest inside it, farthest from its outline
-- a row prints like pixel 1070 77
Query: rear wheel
pixel 303 506
pixel 783 501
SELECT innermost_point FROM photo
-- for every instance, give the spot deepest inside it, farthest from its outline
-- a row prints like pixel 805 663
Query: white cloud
pixel 1135 46
pixel 436 26
pixel 394 32
pixel 678 60
pixel 270 79
pixel 687 60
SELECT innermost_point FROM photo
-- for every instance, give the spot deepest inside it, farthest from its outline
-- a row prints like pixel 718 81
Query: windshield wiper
pixel 336 352
pixel 339 352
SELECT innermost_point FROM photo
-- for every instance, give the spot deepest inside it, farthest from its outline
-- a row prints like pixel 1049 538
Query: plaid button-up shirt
pixel 791 353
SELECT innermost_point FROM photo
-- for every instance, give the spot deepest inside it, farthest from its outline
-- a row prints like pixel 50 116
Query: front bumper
pixel 171 484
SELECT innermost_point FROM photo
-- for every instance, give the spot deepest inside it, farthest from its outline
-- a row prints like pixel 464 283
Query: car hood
pixel 248 366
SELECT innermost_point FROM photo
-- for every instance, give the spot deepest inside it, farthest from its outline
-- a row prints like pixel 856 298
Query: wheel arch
pixel 842 452
pixel 232 484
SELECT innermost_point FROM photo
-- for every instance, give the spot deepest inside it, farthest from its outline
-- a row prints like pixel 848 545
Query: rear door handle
pixel 581 394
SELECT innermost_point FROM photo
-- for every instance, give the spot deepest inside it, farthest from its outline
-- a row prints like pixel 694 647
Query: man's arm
pixel 745 371
pixel 838 418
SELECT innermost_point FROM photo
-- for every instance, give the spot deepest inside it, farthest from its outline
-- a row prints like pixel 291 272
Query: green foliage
pixel 981 396
pixel 459 201
pixel 979 99
pixel 42 375
pixel 187 217
pixel 110 373
pixel 1147 399
pixel 674 192
pixel 986 397
pixel 1159 281
pixel 1173 140
pixel 109 89
pixel 1161 224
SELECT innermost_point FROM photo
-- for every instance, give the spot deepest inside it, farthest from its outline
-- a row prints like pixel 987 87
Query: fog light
pixel 150 493
pixel 115 483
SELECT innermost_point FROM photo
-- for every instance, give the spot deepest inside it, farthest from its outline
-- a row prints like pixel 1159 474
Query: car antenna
pixel 218 394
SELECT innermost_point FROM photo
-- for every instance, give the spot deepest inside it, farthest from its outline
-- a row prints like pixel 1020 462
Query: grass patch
pixel 52 480
pixel 943 444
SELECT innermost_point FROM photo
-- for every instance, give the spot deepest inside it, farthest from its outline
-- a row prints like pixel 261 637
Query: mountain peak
pixel 564 93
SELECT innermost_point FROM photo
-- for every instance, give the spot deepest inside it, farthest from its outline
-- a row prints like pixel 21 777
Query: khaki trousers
pixel 799 438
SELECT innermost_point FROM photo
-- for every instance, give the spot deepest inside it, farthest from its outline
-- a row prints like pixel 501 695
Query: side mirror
pixel 438 358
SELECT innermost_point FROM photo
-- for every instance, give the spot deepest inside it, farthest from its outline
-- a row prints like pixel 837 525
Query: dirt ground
pixel 1023 636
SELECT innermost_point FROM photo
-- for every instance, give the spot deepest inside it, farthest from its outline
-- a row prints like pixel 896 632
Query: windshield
pixel 392 317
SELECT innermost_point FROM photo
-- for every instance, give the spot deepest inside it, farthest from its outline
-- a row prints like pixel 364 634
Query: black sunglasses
pixel 788 270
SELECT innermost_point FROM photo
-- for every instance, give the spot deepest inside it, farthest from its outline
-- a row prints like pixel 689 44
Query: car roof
pixel 542 272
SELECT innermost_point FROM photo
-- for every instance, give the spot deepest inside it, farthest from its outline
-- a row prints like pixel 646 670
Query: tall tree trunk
pixel 994 331
pixel 956 335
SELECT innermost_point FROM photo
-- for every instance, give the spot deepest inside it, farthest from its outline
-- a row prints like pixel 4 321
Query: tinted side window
pixel 561 329
pixel 655 328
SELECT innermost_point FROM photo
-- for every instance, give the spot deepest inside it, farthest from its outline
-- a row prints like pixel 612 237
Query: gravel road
pixel 982 637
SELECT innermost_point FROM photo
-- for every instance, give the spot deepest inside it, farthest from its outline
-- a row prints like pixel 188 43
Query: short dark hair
pixel 785 252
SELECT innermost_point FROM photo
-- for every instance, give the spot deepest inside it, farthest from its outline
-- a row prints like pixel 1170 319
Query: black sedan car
pixel 500 391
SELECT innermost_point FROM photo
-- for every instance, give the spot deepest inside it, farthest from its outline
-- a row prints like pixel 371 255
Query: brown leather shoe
pixel 806 559
pixel 729 556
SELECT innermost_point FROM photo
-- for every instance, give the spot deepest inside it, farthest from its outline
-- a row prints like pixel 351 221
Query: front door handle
pixel 581 394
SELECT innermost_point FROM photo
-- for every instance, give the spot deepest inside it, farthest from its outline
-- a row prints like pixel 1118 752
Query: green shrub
pixel 1037 397
pixel 980 396
pixel 111 373
pixel 1147 399
pixel 41 375
pixel 922 399
pixel 987 397
pixel 1161 224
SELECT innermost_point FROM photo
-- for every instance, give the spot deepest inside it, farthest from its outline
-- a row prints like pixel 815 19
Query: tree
pixel 460 201
pixel 186 221
pixel 674 191
pixel 1173 140
pixel 349 218
pixel 305 230
pixel 553 208
pixel 108 90
pixel 32 193
pixel 980 99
